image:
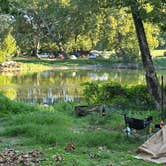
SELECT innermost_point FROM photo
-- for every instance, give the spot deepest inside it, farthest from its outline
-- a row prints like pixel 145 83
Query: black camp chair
pixel 137 124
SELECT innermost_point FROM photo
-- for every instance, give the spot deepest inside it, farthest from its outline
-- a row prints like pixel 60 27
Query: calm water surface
pixel 53 86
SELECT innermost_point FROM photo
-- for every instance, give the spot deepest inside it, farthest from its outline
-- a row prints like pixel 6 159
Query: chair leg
pixel 128 131
pixel 147 132
pixel 126 126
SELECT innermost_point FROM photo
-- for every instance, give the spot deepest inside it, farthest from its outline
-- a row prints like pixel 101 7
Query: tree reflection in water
pixel 53 86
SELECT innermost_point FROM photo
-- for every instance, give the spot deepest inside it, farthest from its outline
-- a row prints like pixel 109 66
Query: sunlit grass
pixel 156 53
pixel 34 64
pixel 51 129
pixel 59 62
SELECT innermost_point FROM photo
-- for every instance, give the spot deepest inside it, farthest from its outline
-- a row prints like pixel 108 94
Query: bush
pixel 109 91
pixel 118 96
pixel 91 92
pixel 139 96
pixel 120 102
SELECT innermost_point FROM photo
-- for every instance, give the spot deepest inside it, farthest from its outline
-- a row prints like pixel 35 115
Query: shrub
pixel 120 102
pixel 140 97
pixel 109 91
pixel 91 92
pixel 118 96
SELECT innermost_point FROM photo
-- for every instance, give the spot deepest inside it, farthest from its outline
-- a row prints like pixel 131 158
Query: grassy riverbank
pixel 97 140
pixel 60 64
pixel 33 64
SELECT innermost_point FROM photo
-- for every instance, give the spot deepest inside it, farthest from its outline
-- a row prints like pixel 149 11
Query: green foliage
pixel 50 131
pixel 4 6
pixel 74 25
pixel 108 91
pixel 152 34
pixel 91 92
pixel 10 106
pixel 118 96
pixel 122 102
pixel 96 92
pixel 100 138
pixel 8 48
pixel 4 25
pixel 139 96
pixel 42 127
pixel 162 40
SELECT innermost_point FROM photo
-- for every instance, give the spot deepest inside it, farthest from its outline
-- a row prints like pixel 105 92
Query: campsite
pixel 82 83
pixel 89 132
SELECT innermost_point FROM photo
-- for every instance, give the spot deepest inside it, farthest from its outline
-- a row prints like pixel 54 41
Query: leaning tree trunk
pixel 150 74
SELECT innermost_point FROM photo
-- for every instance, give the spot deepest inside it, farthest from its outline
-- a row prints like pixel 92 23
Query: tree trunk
pixel 150 74
pixel 35 50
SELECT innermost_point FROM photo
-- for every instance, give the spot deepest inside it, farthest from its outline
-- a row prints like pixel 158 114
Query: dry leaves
pixel 70 147
pixel 12 157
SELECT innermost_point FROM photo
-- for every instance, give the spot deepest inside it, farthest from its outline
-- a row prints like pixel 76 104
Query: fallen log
pixel 83 110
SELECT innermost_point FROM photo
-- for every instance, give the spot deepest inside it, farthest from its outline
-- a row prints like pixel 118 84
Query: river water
pixel 62 85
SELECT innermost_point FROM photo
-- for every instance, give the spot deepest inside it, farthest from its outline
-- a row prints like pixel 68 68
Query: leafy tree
pixel 8 48
pixel 150 74
pixel 139 13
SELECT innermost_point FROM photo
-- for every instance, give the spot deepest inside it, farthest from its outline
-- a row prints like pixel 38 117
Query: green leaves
pixel 8 48
pixel 81 25
pixel 118 96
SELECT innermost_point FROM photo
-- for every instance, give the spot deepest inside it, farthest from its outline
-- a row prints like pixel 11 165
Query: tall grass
pixel 41 127
pixel 59 126
pixel 10 106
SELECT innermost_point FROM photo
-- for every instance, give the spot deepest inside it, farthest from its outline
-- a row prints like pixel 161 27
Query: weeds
pixel 98 140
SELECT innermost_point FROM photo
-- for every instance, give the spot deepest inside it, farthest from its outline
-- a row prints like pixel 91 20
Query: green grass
pixel 158 53
pixel 13 107
pixel 40 127
pixel 61 63
pixel 32 64
pixel 160 62
pixel 159 59
pixel 50 130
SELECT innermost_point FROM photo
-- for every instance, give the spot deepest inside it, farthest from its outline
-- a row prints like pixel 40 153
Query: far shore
pixel 31 65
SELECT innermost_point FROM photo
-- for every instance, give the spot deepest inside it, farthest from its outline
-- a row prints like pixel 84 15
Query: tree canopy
pixel 71 25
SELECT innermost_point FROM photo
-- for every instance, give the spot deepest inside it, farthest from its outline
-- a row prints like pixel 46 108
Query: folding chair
pixel 137 124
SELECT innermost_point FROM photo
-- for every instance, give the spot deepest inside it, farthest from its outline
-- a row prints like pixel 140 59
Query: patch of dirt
pixel 95 128
pixel 12 140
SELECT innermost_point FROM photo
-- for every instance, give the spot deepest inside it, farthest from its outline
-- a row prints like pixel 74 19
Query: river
pixel 62 85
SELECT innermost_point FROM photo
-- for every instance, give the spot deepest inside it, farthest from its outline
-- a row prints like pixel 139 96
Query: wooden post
pixel 162 98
